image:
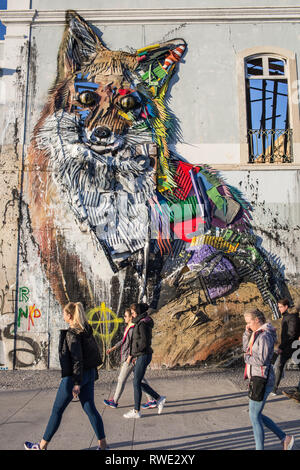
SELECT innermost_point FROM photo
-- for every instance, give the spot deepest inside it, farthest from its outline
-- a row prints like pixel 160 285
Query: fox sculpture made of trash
pixel 99 155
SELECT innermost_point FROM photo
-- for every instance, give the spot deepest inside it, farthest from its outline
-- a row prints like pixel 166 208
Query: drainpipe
pixel 21 184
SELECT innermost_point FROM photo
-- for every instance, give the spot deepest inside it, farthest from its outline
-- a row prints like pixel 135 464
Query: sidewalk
pixel 202 411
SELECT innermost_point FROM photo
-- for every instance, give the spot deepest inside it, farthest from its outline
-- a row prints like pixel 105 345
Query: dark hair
pixel 139 308
pixel 285 302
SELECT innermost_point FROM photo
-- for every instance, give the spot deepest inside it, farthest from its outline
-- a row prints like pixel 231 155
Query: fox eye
pixel 88 98
pixel 128 102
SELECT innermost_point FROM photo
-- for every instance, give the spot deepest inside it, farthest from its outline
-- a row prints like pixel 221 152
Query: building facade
pixel 235 96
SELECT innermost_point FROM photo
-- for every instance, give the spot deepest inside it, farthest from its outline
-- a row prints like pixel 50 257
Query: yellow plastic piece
pixel 147 48
pixel 124 115
pixel 216 242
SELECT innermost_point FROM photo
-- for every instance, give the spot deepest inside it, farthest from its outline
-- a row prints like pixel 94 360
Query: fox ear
pixel 79 45
pixel 157 62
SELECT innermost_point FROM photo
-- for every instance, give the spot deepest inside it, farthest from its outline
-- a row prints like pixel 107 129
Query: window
pixel 269 131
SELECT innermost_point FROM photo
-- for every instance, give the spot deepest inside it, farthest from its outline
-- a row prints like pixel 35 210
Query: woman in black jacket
pixel 79 358
pixel 141 355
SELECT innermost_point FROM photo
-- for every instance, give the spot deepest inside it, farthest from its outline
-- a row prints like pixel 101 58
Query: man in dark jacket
pixel 141 354
pixel 290 331
pixel 295 393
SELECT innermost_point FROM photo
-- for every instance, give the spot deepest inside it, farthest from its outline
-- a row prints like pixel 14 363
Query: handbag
pixel 257 387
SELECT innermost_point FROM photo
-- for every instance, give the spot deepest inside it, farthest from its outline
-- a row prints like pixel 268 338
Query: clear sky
pixel 3 6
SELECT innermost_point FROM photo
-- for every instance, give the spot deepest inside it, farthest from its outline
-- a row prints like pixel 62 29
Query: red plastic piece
pixel 124 91
pixel 183 180
pixel 182 229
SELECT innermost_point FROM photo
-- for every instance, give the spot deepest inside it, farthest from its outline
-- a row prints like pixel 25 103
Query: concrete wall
pixel 205 98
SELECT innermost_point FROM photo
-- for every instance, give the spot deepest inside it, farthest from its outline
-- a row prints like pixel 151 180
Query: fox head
pixel 115 98
pixel 104 135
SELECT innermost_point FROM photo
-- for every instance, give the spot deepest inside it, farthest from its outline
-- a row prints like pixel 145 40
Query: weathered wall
pixel 209 68
pixel 204 98
pixel 13 106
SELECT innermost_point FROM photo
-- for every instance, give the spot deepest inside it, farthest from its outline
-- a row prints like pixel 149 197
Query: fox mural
pixel 113 209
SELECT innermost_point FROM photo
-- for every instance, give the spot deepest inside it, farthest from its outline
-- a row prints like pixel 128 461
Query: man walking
pixel 295 392
pixel 290 331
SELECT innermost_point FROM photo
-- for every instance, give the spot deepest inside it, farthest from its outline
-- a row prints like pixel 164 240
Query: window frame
pixel 293 101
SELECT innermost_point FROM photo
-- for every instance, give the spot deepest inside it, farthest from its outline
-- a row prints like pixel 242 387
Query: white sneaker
pixel 161 403
pixel 288 443
pixel 132 414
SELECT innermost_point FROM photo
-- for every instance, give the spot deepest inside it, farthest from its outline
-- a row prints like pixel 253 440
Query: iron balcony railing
pixel 270 145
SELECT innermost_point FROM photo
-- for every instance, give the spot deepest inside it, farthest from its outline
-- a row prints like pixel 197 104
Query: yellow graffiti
pixel 104 322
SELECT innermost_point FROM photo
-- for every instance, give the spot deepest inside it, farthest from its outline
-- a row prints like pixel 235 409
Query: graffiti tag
pixel 38 352
pixel 3 298
pixel 104 322
pixel 30 311
pixel 24 294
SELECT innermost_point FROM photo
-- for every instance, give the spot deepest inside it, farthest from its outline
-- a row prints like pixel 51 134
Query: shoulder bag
pixel 257 387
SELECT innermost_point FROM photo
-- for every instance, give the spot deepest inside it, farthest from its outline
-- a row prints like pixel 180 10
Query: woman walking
pixel 79 358
pixel 258 345
pixel 141 355
pixel 126 365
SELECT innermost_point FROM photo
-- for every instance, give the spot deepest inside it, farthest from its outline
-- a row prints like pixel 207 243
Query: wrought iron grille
pixel 270 145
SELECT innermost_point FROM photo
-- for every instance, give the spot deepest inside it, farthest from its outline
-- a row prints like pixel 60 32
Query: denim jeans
pixel 124 373
pixel 139 371
pixel 258 421
pixel 64 397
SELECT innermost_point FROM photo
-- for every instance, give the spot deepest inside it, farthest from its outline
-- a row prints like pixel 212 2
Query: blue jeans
pixel 258 421
pixel 64 397
pixel 139 371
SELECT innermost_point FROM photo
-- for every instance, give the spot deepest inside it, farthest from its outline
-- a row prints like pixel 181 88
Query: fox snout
pixel 105 112
pixel 101 133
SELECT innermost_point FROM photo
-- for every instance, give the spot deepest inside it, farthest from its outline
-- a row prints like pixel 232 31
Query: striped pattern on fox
pixel 103 171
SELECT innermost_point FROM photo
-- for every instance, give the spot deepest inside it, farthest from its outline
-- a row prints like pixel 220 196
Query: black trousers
pixel 279 366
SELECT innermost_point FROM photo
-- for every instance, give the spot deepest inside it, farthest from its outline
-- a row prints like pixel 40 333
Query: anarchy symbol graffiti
pixel 104 322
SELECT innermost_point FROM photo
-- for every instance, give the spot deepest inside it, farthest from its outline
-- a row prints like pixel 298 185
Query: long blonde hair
pixel 77 313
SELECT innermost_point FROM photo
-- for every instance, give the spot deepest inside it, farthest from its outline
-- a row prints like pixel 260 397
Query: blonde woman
pixel 79 357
